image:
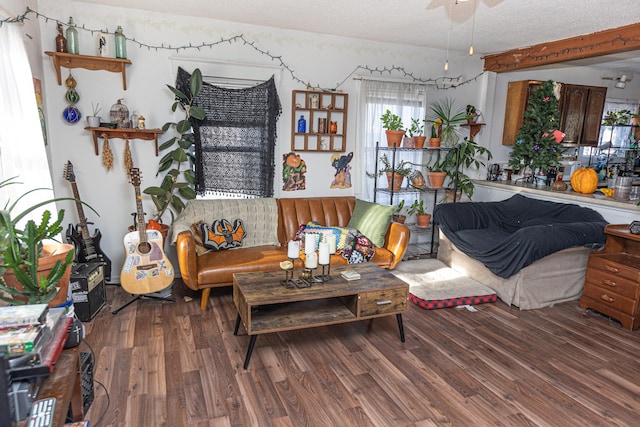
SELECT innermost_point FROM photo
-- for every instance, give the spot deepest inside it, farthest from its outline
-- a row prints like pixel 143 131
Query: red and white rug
pixel 434 285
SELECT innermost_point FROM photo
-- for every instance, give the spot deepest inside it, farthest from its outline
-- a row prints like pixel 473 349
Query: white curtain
pixel 407 100
pixel 22 149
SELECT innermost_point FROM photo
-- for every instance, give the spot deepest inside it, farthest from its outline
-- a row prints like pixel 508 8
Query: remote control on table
pixel 42 413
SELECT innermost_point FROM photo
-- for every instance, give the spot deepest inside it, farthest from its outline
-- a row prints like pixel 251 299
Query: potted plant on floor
pixel 395 174
pixel 177 184
pixel 394 129
pixel 423 218
pixel 32 268
pixel 399 214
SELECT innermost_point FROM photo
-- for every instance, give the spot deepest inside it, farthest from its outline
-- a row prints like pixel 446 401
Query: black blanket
pixel 507 236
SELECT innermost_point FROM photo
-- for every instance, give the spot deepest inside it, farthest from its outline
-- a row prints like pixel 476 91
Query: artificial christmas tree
pixel 536 149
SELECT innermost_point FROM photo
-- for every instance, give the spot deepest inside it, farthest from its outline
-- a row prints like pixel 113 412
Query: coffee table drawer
pixel 383 302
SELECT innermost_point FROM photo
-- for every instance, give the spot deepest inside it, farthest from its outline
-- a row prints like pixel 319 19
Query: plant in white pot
pixel 33 267
pixel 93 121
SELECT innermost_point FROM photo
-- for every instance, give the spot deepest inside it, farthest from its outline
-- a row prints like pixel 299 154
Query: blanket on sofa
pixel 511 234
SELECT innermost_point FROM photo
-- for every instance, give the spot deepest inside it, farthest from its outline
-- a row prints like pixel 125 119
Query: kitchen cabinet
pixel 581 109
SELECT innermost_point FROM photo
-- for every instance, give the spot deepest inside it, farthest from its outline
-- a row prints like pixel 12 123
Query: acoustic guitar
pixel 146 268
pixel 87 246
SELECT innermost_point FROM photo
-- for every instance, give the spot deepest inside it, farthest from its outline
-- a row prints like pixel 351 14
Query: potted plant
pixel 395 175
pixel 436 173
pixel 423 218
pixel 33 269
pixel 472 113
pixel 398 213
pixel 416 134
pixel 436 127
pixel 449 117
pixel 177 184
pixel 464 157
pixel 93 121
pixel 635 118
pixel 614 118
pixel 394 129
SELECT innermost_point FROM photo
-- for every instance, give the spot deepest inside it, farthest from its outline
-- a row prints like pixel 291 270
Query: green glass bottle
pixel 72 38
pixel 121 44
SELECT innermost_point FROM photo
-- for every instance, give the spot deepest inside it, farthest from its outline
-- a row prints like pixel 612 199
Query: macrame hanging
pixel 128 160
pixel 107 154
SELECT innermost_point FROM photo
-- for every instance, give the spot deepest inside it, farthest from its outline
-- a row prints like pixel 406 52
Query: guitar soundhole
pixel 144 247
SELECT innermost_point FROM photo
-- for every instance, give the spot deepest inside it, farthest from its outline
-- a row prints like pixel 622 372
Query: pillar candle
pixel 309 243
pixel 293 249
pixel 323 253
pixel 311 261
pixel 331 240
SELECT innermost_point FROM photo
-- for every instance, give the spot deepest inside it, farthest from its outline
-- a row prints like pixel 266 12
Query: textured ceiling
pixel 499 24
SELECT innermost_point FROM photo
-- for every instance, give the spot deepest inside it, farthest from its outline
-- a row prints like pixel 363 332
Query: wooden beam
pixel 615 40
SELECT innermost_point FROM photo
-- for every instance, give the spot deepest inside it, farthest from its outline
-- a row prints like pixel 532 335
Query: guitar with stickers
pixel 146 268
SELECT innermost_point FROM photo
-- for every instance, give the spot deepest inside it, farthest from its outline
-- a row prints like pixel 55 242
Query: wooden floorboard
pixel 170 364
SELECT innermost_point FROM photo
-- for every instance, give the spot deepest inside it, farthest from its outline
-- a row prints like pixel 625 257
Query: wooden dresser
pixel 612 283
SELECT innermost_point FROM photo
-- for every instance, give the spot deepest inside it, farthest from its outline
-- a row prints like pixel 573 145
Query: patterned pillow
pixel 222 235
pixel 196 230
pixel 321 232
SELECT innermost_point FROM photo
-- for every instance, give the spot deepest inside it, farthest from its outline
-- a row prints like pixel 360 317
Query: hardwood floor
pixel 169 364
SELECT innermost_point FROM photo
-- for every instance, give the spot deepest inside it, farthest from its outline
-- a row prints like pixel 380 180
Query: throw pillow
pixel 321 232
pixel 223 235
pixel 196 230
pixel 372 220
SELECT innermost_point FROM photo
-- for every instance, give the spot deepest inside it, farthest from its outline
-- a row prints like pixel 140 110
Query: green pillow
pixel 372 220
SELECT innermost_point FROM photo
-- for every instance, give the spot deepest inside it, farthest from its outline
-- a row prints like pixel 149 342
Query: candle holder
pixel 289 282
pixel 325 276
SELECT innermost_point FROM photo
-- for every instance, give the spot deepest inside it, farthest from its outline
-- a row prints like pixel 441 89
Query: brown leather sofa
pixel 269 224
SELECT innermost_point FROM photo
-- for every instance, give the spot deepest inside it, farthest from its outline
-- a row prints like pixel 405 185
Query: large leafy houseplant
pixel 177 184
pixel 448 116
pixel 23 251
pixel 465 156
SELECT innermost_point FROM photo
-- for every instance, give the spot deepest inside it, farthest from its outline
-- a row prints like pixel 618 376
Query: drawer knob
pixel 387 302
pixel 611 269
pixel 607 298
pixel 610 283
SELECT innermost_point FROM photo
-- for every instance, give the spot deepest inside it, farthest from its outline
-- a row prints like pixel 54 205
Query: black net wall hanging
pixel 235 143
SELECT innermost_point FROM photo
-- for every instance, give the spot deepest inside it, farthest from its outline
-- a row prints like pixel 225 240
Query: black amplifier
pixel 87 289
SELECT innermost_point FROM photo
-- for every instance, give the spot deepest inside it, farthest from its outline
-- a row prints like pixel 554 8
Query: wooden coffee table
pixel 265 305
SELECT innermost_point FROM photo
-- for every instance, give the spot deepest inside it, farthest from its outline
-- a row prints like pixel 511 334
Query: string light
pixel 446 63
pixel 441 83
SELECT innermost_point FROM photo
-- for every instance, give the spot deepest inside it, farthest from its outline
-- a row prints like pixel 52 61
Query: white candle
pixel 311 261
pixel 309 243
pixel 293 250
pixel 323 257
pixel 331 240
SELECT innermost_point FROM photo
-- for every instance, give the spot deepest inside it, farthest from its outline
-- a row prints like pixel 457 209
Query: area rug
pixel 434 285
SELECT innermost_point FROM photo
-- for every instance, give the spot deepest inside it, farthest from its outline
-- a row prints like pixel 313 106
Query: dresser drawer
pixel 609 298
pixel 613 282
pixel 382 302
pixel 619 264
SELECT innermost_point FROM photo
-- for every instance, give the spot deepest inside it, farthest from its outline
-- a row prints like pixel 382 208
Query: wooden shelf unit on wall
pixel 124 133
pixel 332 106
pixel 70 60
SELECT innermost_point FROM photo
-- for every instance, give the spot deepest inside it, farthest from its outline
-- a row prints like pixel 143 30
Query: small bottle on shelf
pixel 61 41
pixel 72 38
pixel 302 125
pixel 121 44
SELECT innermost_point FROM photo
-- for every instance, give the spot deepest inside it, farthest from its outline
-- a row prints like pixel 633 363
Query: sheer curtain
pixel 22 149
pixel 407 100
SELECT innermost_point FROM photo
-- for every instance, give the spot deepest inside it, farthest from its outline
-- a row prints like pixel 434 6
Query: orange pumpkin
pixel 584 180
pixel 293 160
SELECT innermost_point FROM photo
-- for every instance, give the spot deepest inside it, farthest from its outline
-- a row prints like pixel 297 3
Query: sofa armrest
pixel 187 259
pixel 396 241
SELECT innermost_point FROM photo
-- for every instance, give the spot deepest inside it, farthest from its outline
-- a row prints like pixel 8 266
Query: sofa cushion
pixel 223 235
pixel 372 220
pixel 341 234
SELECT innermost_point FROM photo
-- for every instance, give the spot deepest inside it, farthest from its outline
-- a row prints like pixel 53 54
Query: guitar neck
pixel 142 228
pixel 84 230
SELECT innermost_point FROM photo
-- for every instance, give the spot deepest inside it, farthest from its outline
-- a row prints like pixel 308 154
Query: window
pixel 407 100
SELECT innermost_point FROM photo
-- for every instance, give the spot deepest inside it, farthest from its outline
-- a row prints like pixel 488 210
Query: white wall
pixel 321 60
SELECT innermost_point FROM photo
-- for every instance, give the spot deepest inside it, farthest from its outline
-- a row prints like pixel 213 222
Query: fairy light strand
pixel 440 83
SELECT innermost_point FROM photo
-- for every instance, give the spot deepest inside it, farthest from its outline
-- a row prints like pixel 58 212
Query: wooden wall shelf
pixel 122 133
pixel 474 128
pixel 69 60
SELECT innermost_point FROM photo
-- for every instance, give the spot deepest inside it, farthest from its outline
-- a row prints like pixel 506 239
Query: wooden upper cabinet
pixel 580 108
pixel 517 98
